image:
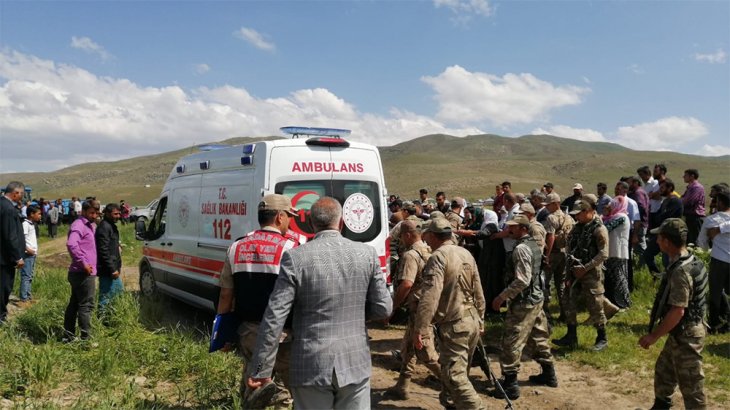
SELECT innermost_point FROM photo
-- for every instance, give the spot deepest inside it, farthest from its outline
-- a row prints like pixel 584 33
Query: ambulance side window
pixel 157 224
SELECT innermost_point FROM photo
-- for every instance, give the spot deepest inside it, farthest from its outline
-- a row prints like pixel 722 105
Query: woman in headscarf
pixel 616 283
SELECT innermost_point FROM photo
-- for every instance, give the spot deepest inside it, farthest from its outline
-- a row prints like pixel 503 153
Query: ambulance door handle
pixel 169 244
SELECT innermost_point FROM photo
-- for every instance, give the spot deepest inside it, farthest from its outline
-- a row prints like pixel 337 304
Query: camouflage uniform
pixel 525 318
pixel 538 233
pixel 452 298
pixel 680 362
pixel 558 224
pixel 396 247
pixel 589 244
pixel 410 269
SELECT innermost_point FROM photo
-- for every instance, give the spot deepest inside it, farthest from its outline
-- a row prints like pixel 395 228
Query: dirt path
pixel 581 387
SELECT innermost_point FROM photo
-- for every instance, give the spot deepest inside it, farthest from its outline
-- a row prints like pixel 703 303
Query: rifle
pixel 659 303
pixel 487 369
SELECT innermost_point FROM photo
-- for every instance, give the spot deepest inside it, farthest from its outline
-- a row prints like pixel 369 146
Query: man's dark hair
pixel 31 209
pixel 643 170
pixel 423 191
pixel 669 183
pixel 625 179
pixel 722 186
pixel 623 184
pixel 634 179
pixel 662 168
pixel 723 197
pixel 111 207
pixel 267 216
pixel 507 183
pixel 510 197
pixel 440 193
pixel 14 185
pixel 602 185
pixel 443 235
pixel 89 204
pixel 695 173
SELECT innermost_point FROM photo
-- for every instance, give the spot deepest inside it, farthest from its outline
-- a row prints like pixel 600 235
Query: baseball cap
pixel 585 203
pixel 276 202
pixel 519 219
pixel 578 186
pixel 548 185
pixel 439 225
pixel 437 214
pixel 409 206
pixel 672 227
pixel 527 207
pixel 551 198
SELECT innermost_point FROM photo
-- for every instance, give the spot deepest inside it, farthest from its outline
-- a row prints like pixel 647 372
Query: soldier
pixel 525 319
pixel 587 250
pixel 407 212
pixel 453 215
pixel 451 298
pixel 410 269
pixel 680 306
pixel 537 230
pixel 557 229
pixel 429 204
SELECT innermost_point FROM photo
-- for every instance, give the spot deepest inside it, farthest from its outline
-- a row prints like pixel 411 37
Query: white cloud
pixel 254 38
pixel 65 110
pixel 664 133
pixel 636 69
pixel 718 57
pixel 713 150
pixel 202 68
pixel 88 45
pixel 464 10
pixel 468 98
pixel 582 134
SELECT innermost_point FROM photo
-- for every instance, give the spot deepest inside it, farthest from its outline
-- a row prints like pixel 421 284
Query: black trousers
pixel 7 279
pixel 83 290
pixel 719 318
pixel 694 224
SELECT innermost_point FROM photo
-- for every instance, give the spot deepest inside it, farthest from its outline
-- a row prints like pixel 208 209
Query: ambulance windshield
pixel 361 205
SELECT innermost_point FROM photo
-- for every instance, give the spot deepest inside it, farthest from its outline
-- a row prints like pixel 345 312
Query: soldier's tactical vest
pixel 583 244
pixel 533 292
pixel 695 312
pixel 255 262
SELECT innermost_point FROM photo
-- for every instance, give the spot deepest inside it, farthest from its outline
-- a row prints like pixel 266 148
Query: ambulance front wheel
pixel 147 284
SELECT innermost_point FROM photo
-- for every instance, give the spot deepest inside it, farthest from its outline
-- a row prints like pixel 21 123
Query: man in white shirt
pixel 716 228
pixel 31 251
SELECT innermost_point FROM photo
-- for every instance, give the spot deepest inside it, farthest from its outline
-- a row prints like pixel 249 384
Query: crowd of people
pixel 302 306
pixel 93 246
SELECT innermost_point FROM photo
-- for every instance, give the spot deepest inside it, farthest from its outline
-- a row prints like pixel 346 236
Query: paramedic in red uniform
pixel 249 273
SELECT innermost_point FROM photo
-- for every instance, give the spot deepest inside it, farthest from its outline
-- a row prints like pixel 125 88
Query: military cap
pixel 276 202
pixel 674 227
pixel 578 186
pixel 519 219
pixel 551 198
pixel 437 214
pixel 548 185
pixel 409 206
pixel 527 207
pixel 439 225
pixel 585 203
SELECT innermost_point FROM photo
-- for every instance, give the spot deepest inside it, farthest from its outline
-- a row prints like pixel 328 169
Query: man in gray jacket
pixel 332 285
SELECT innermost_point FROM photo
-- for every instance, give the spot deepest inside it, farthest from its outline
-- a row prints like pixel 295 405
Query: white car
pixel 144 214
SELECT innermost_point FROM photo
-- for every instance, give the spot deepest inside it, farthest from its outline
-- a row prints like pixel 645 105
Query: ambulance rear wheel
pixel 147 284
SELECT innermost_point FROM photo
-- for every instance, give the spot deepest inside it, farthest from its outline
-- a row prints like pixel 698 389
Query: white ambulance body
pixel 210 199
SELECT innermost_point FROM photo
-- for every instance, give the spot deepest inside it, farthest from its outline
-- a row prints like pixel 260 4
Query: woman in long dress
pixel 617 222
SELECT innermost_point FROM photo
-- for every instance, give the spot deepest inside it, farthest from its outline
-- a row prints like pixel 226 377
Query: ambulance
pixel 210 200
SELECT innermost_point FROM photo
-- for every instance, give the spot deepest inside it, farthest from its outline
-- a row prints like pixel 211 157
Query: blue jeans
pixel 26 277
pixel 108 289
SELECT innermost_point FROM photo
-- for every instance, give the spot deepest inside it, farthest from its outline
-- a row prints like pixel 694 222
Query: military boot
pixel 609 309
pixel 510 387
pixel 547 377
pixel 661 404
pixel 445 400
pixel 400 390
pixel 601 341
pixel 570 339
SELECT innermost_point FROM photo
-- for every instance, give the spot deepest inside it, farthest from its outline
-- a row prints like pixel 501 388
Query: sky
pixel 101 81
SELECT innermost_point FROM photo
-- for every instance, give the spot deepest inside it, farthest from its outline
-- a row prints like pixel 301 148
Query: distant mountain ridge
pixel 467 166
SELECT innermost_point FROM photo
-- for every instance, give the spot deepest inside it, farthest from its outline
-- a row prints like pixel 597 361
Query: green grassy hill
pixel 468 166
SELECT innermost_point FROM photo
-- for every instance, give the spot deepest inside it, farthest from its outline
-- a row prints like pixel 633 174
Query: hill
pixel 468 166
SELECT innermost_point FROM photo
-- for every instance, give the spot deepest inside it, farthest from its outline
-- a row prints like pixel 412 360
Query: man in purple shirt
pixel 693 200
pixel 638 194
pixel 82 272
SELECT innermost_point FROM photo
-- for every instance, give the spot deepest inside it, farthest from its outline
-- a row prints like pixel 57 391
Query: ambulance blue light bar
pixel 212 147
pixel 249 148
pixel 312 131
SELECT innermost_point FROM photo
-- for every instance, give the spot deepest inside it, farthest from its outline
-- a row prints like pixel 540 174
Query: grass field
pixel 145 361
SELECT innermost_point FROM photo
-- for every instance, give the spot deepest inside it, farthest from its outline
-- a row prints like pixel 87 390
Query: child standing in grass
pixel 33 216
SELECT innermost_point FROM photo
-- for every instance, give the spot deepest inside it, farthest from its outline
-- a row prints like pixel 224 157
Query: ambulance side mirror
pixel 140 230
